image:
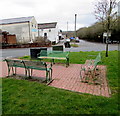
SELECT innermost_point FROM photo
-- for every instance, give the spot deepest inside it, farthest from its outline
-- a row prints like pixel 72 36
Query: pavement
pixel 69 79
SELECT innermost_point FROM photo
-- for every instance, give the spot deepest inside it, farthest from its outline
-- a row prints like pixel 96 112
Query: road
pixel 83 46
pixel 92 46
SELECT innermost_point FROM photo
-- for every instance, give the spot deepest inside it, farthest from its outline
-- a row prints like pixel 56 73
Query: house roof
pixel 16 20
pixel 47 25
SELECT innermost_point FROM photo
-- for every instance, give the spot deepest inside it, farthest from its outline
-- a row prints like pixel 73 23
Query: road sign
pixel 105 34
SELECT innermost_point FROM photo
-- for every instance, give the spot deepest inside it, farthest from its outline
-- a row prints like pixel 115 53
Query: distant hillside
pixel 95 32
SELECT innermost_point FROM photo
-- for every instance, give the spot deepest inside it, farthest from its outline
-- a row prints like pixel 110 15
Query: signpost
pixel 106 36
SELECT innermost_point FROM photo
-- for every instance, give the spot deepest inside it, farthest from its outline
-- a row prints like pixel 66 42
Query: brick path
pixel 68 78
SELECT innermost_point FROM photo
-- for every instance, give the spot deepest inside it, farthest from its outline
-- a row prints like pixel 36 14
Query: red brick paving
pixel 69 79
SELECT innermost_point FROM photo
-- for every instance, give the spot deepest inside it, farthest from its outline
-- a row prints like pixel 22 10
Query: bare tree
pixel 105 13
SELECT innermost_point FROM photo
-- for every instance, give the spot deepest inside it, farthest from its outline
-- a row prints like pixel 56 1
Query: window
pixel 45 34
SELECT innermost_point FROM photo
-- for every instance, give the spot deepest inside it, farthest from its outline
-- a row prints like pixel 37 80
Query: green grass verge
pixel 74 45
pixel 24 97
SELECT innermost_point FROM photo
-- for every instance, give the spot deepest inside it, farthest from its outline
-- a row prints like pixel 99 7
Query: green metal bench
pixel 38 65
pixel 60 55
pixel 88 70
pixel 29 66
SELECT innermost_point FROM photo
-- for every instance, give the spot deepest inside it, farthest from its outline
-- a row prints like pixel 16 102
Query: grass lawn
pixel 25 97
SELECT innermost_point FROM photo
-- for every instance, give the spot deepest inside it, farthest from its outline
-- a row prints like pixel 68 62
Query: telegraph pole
pixel 67 27
pixel 67 30
pixel 75 25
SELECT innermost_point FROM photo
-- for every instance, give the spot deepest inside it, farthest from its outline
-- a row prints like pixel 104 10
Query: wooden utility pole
pixel 67 27
pixel 75 26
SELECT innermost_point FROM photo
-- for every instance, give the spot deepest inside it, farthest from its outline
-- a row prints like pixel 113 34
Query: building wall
pixel 33 29
pixel 52 34
pixel 20 29
pixel 57 34
pixel 25 32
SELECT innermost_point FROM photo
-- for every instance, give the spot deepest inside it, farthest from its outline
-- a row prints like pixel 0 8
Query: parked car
pixel 72 39
pixel 77 40
pixel 109 41
pixel 115 41
pixel 67 43
pixel 67 40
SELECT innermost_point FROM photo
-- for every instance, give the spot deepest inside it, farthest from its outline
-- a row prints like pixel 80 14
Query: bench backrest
pixel 36 65
pixel 97 59
pixel 43 53
pixel 57 48
pixel 15 63
pixel 26 64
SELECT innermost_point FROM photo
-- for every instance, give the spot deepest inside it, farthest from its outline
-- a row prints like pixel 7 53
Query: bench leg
pixel 67 62
pixel 9 68
pixel 82 75
pixel 47 76
pixel 51 74
pixel 30 72
pixel 25 72
pixel 53 61
pixel 85 75
pixel 15 71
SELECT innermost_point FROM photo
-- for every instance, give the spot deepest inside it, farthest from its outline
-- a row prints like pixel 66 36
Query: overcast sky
pixel 45 11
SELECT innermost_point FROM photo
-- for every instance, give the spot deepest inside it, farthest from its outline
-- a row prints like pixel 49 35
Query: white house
pixel 49 31
pixel 25 28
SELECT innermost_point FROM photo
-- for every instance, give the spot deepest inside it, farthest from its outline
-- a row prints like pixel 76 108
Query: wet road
pixel 83 46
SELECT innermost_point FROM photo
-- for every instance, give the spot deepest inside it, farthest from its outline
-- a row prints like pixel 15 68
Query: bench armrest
pixel 38 54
